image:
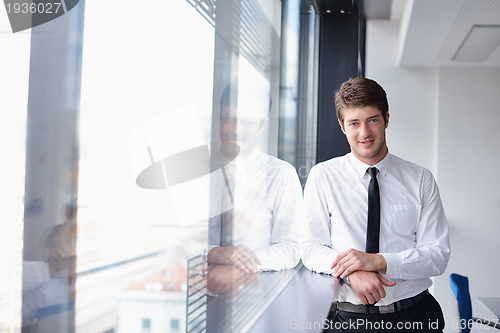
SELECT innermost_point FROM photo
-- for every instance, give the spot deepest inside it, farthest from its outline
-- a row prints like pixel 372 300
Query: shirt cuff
pixel 323 266
pixel 394 265
pixel 266 261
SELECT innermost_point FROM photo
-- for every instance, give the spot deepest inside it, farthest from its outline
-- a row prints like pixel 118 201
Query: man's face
pixel 365 132
pixel 241 131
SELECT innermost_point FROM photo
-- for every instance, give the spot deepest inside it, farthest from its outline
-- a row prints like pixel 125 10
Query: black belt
pixel 391 308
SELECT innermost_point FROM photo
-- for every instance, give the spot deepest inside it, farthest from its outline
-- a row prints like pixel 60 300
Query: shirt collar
pixel 240 163
pixel 361 167
pixel 250 159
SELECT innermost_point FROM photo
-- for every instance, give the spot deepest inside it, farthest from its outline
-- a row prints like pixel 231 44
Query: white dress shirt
pixel 56 291
pixel 266 196
pixel 413 226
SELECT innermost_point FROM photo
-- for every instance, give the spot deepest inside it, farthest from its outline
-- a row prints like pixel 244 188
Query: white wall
pixel 411 92
pixel 469 155
pixel 448 120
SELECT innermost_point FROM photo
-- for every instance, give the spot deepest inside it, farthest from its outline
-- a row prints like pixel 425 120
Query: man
pixel 384 237
pixel 58 290
pixel 259 232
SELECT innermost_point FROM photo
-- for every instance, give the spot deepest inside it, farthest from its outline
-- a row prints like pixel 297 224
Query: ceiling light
pixel 481 41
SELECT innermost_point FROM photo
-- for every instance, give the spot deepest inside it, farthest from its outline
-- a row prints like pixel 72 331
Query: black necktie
pixel 373 228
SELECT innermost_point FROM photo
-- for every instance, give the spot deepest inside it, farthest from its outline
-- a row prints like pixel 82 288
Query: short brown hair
pixel 360 92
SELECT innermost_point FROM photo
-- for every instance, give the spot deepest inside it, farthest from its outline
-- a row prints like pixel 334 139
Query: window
pixel 146 323
pixel 83 195
pixel 174 324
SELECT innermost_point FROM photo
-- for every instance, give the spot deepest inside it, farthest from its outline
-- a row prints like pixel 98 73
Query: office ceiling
pixel 433 32
pixel 436 32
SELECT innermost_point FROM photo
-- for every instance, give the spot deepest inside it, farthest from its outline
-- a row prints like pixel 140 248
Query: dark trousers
pixel 425 316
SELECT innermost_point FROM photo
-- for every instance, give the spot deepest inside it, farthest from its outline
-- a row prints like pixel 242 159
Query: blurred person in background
pixel 57 293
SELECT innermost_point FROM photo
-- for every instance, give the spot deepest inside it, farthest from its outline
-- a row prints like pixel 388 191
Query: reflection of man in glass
pixel 259 232
pixel 57 294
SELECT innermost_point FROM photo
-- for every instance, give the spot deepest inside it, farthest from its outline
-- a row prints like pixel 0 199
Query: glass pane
pixel 298 97
pixel 144 196
pixel 146 95
pixel 14 66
